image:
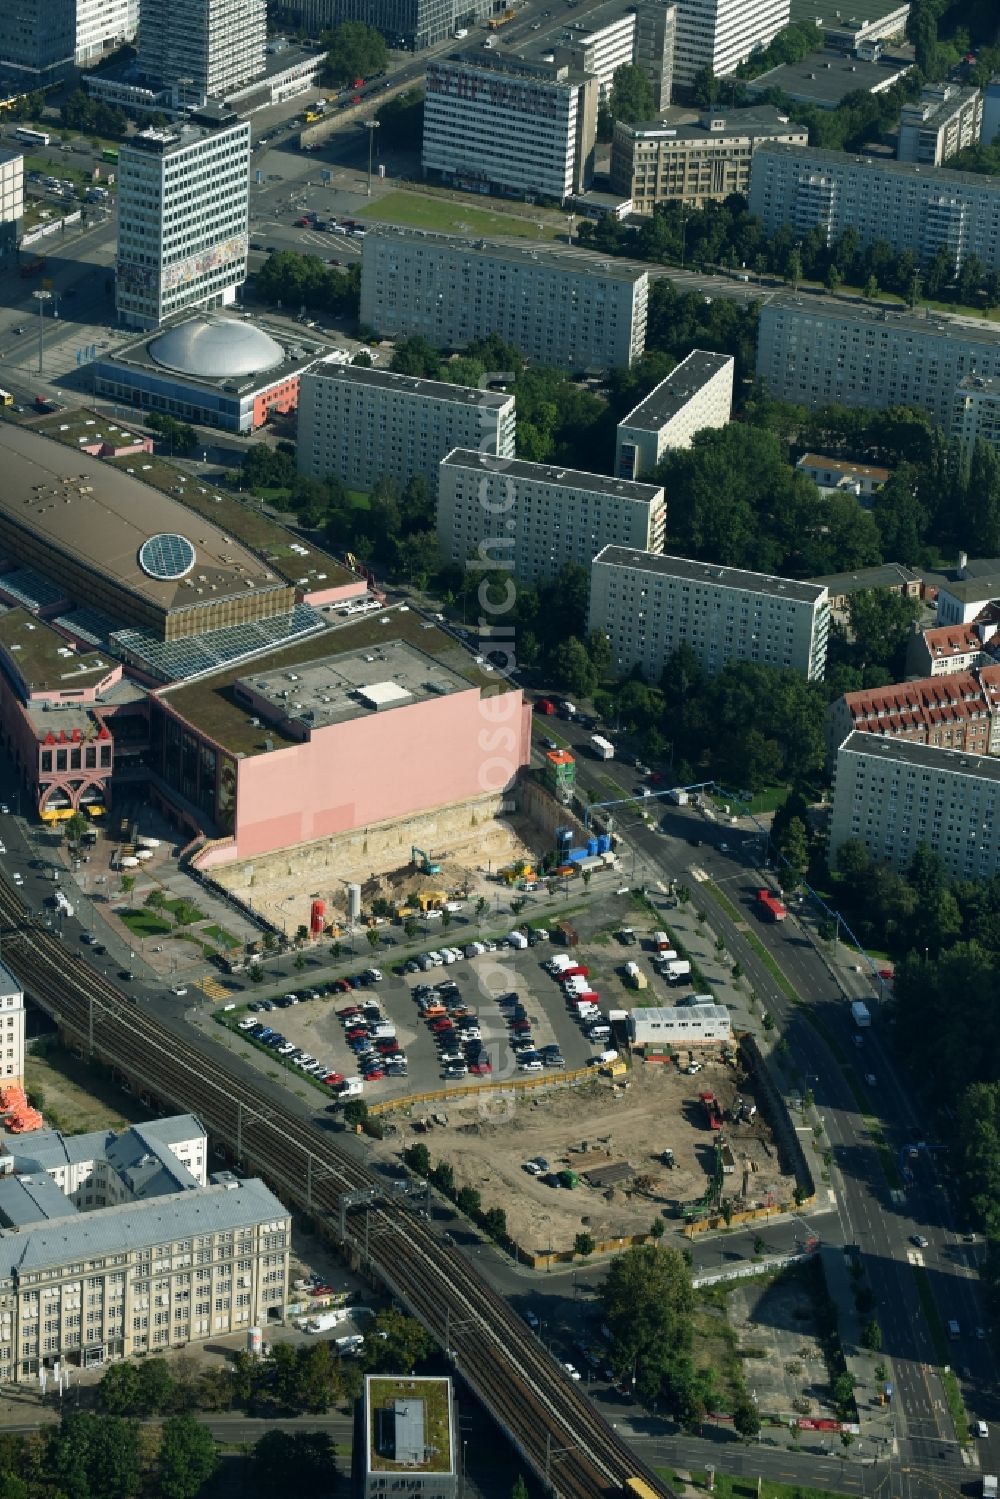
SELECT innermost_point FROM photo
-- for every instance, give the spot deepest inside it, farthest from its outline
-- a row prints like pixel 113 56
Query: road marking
pixel 210 986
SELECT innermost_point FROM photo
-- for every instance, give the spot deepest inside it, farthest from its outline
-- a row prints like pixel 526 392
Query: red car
pixel 374 1075
pixel 348 1012
pixel 321 1291
pixel 357 1033
pixel 441 1024
pixel 333 1078
pixel 342 986
pixel 887 974
pixel 302 223
pixel 387 1047
pixel 480 1068
pixel 518 1026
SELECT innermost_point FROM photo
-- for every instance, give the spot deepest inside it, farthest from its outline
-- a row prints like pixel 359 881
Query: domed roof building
pixel 212 369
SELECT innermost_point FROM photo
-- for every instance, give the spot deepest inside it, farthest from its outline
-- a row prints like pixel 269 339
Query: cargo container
pixel 635 977
pixel 603 748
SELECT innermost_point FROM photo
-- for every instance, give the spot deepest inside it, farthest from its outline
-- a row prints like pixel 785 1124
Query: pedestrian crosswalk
pixel 210 986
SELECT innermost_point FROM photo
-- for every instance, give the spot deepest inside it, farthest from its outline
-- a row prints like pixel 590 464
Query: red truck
pixel 713 1110
pixel 577 971
pixel 770 906
pixel 545 705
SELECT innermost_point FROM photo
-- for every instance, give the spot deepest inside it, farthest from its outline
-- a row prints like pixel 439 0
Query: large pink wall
pixel 381 766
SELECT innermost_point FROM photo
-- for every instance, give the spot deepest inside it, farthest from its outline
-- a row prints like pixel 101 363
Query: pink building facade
pixel 375 768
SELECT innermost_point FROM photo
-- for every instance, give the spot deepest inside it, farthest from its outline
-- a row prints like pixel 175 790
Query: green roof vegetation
pixel 434 1394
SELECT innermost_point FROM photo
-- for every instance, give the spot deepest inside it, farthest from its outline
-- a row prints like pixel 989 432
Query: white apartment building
pixel 12 1022
pixel 11 201
pixel 649 605
pixel 976 412
pixel 697 394
pixel 910 207
pixel 991 113
pixel 817 351
pixel 720 34
pixel 103 25
pixel 893 796
pixel 563 306
pixel 945 119
pixel 705 162
pixel 359 425
pixel 599 46
pixel 532 517
pixel 183 203
pixel 501 124
pixel 116 1245
pixel 202 49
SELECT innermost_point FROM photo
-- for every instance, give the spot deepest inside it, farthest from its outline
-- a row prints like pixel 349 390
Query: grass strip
pixel 754 942
pixel 931 1314
pixel 956 1409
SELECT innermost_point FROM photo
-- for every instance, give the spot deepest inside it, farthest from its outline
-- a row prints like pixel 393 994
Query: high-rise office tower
pixel 202 49
pixel 37 39
pixel 182 217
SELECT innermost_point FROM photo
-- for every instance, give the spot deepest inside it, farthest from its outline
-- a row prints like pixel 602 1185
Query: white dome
pixel 216 348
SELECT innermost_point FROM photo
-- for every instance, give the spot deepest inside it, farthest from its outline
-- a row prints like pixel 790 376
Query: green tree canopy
pixel 631 97
pixel 353 51
pixel 188 1458
pixel 648 1303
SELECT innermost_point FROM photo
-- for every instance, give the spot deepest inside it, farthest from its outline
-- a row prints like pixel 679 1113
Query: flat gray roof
pixel 935 176
pixel 131 1226
pixel 710 573
pixel 930 324
pixel 568 259
pixel 813 81
pixel 968 590
pixel 550 473
pixel 8 983
pixel 513 65
pixel 888 575
pixel 411 385
pixel 353 684
pixel 761 119
pixel 930 111
pixel 673 393
pixel 32 1199
pixel 10 155
pixel 922 756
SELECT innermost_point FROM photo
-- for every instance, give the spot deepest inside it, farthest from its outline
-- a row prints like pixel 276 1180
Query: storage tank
pixel 603 843
pixel 255 1342
pixel 317 917
pixel 592 847
pixel 353 902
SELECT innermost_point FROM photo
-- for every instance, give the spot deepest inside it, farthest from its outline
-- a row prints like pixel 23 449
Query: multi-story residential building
pixel 500 124
pixel 37 42
pixel 103 25
pixel 947 649
pixel 360 425
pixel 599 45
pixel 11 201
pixel 649 605
pixel 116 1245
pixel 694 164
pixel 12 1034
pixel 849 35
pixel 183 203
pixel 202 49
pixel 906 205
pixel 957 711
pixel 819 351
pixel 893 797
pixel 944 120
pixel 720 34
pixel 976 413
pixel 564 306
pixel 655 46
pixel 533 517
pixel 695 395
pixel 991 113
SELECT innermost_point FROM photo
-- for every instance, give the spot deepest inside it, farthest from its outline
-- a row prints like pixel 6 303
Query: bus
pixel 6 399
pixel 33 137
pixel 109 154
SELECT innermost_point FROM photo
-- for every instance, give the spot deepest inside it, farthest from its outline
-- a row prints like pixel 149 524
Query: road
pixel 870 1212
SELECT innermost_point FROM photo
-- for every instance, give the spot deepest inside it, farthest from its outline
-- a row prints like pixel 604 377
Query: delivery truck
pixel 603 748
pixel 677 971
pixel 634 976
pixel 859 1011
pixel 770 907
pixel 323 1321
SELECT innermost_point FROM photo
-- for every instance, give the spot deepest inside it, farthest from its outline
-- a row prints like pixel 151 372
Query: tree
pixel 520 1489
pixel 155 1387
pixel 704 87
pixel 355 1113
pixel 373 937
pixel 301 1461
pixel 443 1177
pixel 396 1344
pixel 584 1244
pixel 870 291
pixel 793 845
pixel 117 1393
pixel 127 884
pixel 494 1223
pixel 793 268
pixel 746 1419
pixel 188 1458
pixel 648 1301
pixel 571 669
pixel 631 97
pixel 353 51
pixel 469 1202
pixel 418 1158
pixel 94 1456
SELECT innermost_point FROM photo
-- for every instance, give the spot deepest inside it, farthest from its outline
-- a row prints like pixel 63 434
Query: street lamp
pixel 371 126
pixel 41 297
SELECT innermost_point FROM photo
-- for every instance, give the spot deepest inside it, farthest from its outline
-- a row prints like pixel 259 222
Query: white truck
pixel 989 1486
pixel 603 748
pixel 678 797
pixel 677 970
pixel 323 1321
pixel 351 1087
pixel 62 904
pixel 352 1343
pixel 859 1011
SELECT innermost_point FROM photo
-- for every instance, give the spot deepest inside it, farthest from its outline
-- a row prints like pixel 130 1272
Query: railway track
pixel 569 1445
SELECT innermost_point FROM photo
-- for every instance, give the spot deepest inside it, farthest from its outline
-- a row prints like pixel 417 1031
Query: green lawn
pixel 359 498
pixel 143 923
pixel 221 936
pixel 453 216
pixel 188 907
